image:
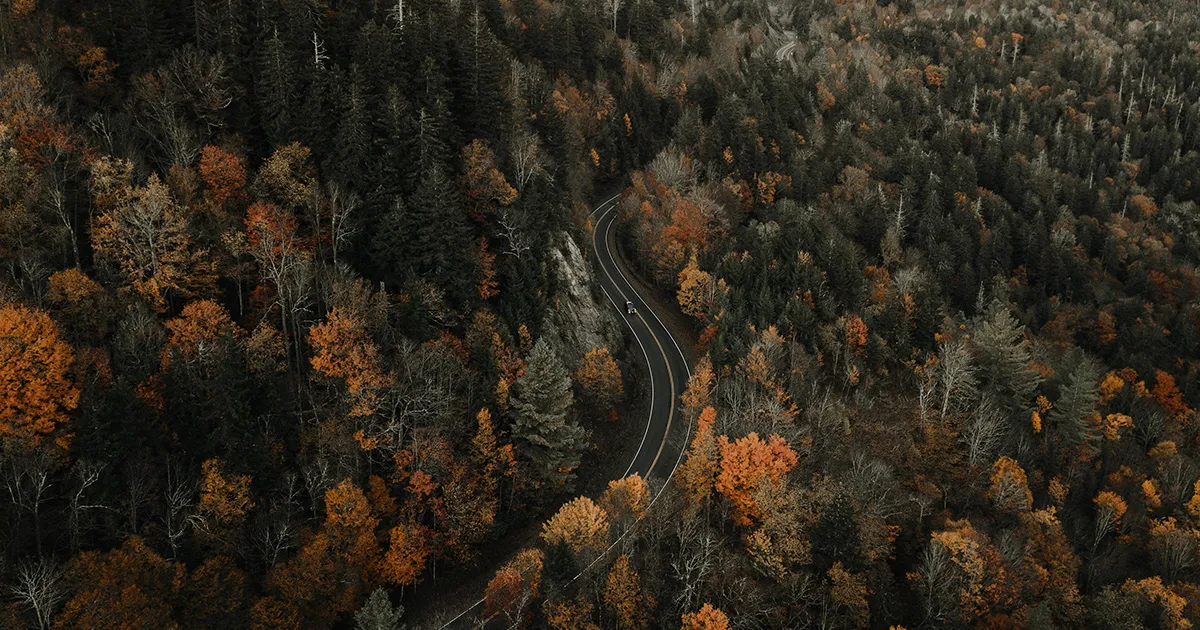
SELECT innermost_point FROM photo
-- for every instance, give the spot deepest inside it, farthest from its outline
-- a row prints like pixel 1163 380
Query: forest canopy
pixel 291 296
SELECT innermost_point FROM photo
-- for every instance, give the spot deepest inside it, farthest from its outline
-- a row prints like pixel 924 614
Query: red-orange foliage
pixel 856 335
pixel 515 584
pixel 196 331
pixel 1010 489
pixel 580 524
pixel 699 389
pixel 623 595
pixel 130 587
pixel 36 389
pixel 344 350
pixel 147 237
pixel 628 497
pixel 223 497
pixel 337 564
pixel 707 618
pixel 1168 395
pixel 214 595
pixel 483 184
pixel 488 286
pixel 600 378
pixel 405 559
pixel 747 463
pixel 698 473
pixel 224 177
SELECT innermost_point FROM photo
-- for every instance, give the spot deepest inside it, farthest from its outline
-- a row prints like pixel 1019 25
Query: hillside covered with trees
pixel 281 288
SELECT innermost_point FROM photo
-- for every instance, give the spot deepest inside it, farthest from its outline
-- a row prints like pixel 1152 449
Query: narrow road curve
pixel 662 443
pixel 658 451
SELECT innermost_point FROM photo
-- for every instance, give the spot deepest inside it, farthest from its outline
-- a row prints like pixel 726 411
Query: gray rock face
pixel 579 319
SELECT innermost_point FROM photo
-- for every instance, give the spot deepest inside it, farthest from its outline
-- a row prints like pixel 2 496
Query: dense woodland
pixel 275 276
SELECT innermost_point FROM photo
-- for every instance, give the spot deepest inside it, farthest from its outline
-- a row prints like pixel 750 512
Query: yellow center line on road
pixel 649 368
pixel 671 378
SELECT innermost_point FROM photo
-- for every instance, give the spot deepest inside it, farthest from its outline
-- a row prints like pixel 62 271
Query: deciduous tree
pixel 745 464
pixel 707 618
pixel 37 391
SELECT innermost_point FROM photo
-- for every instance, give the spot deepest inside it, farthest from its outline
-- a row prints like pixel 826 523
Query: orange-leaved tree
pixel 624 596
pixel 332 569
pixel 147 238
pixel 580 525
pixel 626 499
pixel 483 184
pixel 224 498
pixel 695 294
pixel 224 177
pixel 36 389
pixel 699 390
pixel 569 614
pixel 599 379
pixel 698 473
pixel 344 350
pixel 129 587
pixel 745 465
pixel 514 585
pixel 1009 491
pixel 197 333
pixel 406 555
pixel 707 618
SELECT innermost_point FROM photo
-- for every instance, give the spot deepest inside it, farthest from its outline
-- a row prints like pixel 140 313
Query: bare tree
pixel 512 223
pixel 40 587
pixel 86 474
pixel 526 151
pixel 180 496
pixel 984 433
pixel 693 565
pixel 277 531
pixel 956 373
pixel 27 478
pixel 614 6
pixel 342 204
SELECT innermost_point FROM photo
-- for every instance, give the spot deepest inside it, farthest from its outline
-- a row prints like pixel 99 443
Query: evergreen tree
pixel 480 100
pixel 540 403
pixel 274 87
pixel 1069 419
pixel 378 613
pixel 443 246
pixel 352 142
pixel 1005 359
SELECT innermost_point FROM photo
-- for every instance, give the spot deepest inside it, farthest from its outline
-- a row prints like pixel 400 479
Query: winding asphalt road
pixel 662 442
pixel 663 438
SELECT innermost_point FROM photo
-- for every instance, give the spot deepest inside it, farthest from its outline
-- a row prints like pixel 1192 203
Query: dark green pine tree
pixel 1005 361
pixel 429 127
pixel 394 167
pixel 378 613
pixel 375 52
pixel 388 242
pixel 442 251
pixel 480 101
pixel 540 402
pixel 351 147
pixel 318 118
pixel 275 89
pixel 1068 420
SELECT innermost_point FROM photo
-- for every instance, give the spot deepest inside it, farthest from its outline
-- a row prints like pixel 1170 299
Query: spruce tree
pixel 274 89
pixel 1005 360
pixel 377 613
pixel 443 249
pixel 540 402
pixel 1069 419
